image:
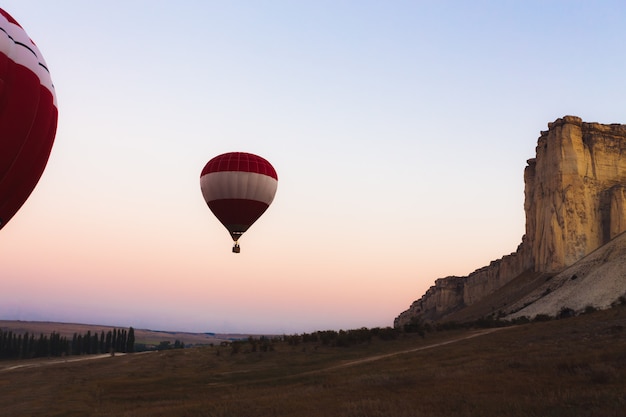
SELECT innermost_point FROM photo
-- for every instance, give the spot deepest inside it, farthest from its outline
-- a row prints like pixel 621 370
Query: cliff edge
pixel 575 203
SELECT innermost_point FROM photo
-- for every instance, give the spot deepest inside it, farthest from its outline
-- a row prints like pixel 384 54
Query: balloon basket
pixel 236 248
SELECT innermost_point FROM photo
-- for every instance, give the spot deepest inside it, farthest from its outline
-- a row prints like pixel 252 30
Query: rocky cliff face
pixel 574 191
pixel 575 202
pixel 443 297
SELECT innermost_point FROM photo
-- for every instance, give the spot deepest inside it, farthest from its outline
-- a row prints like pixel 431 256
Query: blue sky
pixel 399 130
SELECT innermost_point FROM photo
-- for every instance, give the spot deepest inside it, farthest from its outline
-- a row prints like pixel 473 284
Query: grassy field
pixel 571 367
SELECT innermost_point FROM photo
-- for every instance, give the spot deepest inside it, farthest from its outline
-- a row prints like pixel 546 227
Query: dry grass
pixel 573 367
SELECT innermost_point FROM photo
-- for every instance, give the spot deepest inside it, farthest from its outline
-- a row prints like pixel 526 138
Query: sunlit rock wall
pixel 575 202
pixel 574 191
pixel 487 279
pixel 438 299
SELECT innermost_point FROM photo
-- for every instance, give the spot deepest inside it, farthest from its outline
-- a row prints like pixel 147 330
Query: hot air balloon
pixel 238 187
pixel 28 116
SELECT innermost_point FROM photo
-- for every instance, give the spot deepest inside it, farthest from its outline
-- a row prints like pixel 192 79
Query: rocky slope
pixel 598 280
pixel 575 202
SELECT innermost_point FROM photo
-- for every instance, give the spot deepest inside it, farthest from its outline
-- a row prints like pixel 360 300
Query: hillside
pixel 598 281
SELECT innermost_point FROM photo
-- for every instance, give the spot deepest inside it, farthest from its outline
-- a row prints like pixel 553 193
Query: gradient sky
pixel 399 130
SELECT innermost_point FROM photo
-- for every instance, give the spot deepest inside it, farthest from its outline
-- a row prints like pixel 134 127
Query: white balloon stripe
pixel 20 49
pixel 238 185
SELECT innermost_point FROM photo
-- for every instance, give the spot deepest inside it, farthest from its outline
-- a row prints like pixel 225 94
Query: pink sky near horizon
pixel 399 132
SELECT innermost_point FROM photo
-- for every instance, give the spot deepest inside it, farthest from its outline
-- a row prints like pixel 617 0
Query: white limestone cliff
pixel 575 202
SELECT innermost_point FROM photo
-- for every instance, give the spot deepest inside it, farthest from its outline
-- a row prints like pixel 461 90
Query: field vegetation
pixel 568 367
pixel 27 346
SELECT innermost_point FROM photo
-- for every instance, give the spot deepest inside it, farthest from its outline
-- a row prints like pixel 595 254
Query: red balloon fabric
pixel 28 116
pixel 238 187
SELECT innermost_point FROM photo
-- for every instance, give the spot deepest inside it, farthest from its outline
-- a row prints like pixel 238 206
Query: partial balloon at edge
pixel 238 187
pixel 28 116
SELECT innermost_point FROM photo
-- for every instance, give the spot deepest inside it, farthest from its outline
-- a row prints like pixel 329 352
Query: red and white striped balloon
pixel 238 187
pixel 28 116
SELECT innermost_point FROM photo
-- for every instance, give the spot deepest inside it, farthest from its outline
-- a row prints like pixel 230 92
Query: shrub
pixel 590 309
pixel 388 333
pixel 565 313
pixel 542 317
pixel 521 320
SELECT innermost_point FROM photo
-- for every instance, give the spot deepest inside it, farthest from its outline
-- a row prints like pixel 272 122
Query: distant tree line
pixel 344 338
pixel 166 345
pixel 27 345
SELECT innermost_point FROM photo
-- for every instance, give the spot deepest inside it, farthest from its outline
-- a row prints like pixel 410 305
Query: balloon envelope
pixel 28 116
pixel 238 187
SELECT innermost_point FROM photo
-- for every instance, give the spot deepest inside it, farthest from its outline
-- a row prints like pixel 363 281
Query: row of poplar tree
pixel 27 345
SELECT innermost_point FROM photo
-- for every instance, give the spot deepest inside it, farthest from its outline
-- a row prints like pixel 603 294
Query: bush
pixel 521 320
pixel 565 313
pixel 415 325
pixel 542 317
pixel 388 333
pixel 590 309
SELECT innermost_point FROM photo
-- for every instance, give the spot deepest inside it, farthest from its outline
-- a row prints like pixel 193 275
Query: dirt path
pixel 47 362
pixel 388 355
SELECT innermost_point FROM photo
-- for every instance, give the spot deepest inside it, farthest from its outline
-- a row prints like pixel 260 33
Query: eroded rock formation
pixel 574 191
pixel 575 202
